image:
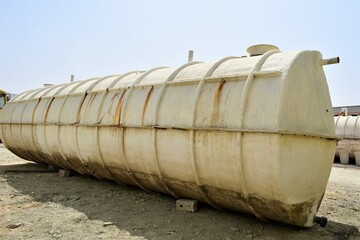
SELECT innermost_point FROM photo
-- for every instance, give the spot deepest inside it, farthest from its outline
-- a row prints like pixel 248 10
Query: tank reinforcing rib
pixel 251 134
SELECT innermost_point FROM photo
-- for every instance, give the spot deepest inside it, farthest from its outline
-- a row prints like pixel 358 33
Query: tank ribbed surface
pixel 348 128
pixel 252 134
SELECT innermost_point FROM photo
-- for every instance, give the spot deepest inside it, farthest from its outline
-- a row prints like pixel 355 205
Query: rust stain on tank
pixel 80 107
pixel 116 118
pixel 92 98
pixel 47 109
pixel 216 102
pixel 146 104
pixel 36 106
pixel 90 102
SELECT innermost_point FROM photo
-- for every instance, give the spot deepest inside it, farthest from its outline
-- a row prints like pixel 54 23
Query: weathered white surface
pixel 348 128
pixel 250 134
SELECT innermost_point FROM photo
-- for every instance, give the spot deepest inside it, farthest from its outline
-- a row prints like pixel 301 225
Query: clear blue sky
pixel 47 41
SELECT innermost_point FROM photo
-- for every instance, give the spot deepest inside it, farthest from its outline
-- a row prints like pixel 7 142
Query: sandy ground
pixel 42 205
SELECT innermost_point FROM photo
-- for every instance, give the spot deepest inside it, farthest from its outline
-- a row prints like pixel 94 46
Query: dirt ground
pixel 42 205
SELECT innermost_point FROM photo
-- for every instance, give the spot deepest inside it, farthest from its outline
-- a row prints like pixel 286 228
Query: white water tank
pixel 251 134
pixel 348 128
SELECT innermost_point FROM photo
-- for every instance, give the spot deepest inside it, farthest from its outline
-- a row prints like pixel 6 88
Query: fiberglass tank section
pixel 251 134
pixel 348 128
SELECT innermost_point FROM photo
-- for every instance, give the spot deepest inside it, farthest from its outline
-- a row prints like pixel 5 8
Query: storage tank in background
pixel 348 128
pixel 252 134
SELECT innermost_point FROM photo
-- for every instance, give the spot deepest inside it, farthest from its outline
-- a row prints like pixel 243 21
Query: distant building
pixel 347 110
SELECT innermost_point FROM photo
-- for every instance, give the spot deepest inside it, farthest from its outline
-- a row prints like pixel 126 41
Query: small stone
pixel 74 198
pixel 234 229
pixel 249 236
pixel 108 224
pixel 341 205
pixel 227 238
pixel 171 232
pixel 14 225
pixel 186 205
pixel 59 198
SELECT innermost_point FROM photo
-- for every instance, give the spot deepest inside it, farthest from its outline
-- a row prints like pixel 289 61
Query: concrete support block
pixel 344 156
pixel 65 173
pixel 186 205
pixel 357 158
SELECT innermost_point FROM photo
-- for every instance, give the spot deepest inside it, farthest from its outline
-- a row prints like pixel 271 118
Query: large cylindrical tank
pixel 348 128
pixel 252 134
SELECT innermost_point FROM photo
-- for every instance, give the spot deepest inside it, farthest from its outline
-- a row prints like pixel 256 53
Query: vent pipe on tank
pixel 190 56
pixel 260 49
pixel 329 61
